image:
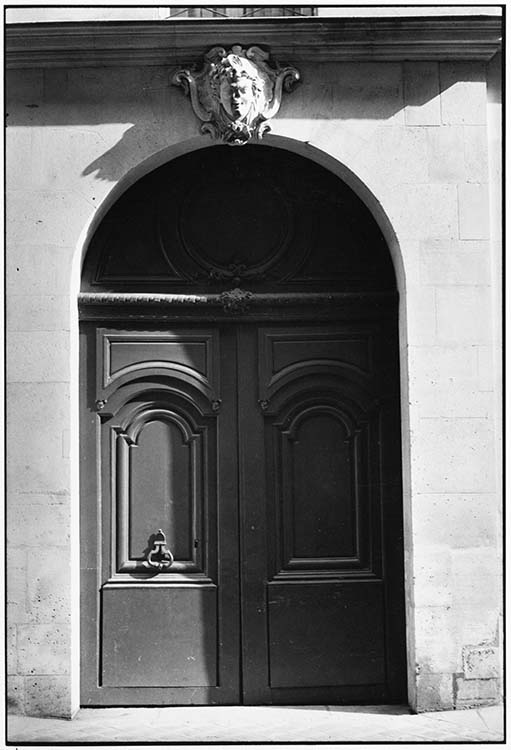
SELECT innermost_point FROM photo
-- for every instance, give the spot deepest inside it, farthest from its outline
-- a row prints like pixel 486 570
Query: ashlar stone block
pixel 396 155
pixel 476 577
pixel 475 146
pixel 421 315
pixel 434 398
pixel 31 269
pixel 434 692
pixel 49 586
pixel 12 650
pixel 423 211
pixel 43 649
pixel 446 157
pixel 422 93
pixel 453 455
pixel 24 86
pixel 474 211
pixel 38 312
pixel 455 269
pixel 446 245
pixel 366 91
pixel 49 522
pixel 36 415
pixel 472 693
pixel 456 520
pixel 38 357
pixel 481 662
pixel 48 695
pixel 16 580
pixel 477 624
pixel 15 694
pixel 436 647
pixel 432 574
pixel 47 217
pixel 443 363
pixel 488 365
pixel 463 93
pixel 464 315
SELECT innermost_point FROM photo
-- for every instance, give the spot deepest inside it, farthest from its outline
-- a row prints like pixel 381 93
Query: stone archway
pixel 182 278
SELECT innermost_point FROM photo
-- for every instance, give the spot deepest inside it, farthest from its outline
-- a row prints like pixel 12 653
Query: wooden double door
pixel 264 456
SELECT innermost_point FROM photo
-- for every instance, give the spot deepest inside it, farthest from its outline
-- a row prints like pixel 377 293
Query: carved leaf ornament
pixel 236 92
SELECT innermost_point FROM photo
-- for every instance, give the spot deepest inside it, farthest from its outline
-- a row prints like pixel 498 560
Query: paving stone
pixel 263 724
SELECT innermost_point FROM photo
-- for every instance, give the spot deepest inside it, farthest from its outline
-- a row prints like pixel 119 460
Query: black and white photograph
pixel 254 318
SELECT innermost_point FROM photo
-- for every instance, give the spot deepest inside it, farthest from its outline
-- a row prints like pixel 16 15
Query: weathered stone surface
pixel 12 650
pixel 48 695
pixel 470 693
pixel 48 217
pixel 450 398
pixel 432 575
pixel 456 521
pixel 434 654
pixel 465 463
pixel 38 357
pixel 434 692
pixel 37 525
pixel 43 649
pixel 49 586
pixel 449 364
pixel 36 414
pixel 15 694
pixel 480 662
pixel 25 86
pixel 414 135
pixel 401 153
pixel 38 270
pixel 474 578
pixel 419 211
pixel 38 312
pixel 16 580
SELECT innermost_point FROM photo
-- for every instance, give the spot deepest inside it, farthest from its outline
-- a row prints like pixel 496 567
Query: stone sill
pixel 136 43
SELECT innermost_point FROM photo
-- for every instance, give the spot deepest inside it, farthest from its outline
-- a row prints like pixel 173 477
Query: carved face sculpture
pixel 241 88
pixel 236 92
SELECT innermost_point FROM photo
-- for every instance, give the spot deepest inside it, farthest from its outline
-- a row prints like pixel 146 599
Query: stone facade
pixel 419 142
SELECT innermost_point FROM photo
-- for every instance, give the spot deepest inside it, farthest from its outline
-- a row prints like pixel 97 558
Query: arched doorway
pixel 240 393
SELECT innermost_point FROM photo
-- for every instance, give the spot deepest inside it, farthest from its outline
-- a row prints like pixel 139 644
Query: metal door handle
pixel 160 556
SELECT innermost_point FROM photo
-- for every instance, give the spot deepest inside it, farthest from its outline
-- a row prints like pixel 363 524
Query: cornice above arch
pixel 294 40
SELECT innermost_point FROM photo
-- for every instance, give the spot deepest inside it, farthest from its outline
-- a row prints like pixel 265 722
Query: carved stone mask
pixel 241 87
pixel 236 92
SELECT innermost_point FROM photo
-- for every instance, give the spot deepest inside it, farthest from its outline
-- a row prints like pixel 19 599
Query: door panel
pixel 166 462
pixel 164 636
pixel 165 471
pixel 268 455
pixel 317 523
pixel 326 634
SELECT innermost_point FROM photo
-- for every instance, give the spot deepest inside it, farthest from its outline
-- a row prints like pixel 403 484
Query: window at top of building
pixel 264 11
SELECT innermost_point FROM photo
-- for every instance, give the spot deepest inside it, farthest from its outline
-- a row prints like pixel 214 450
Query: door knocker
pixel 160 556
